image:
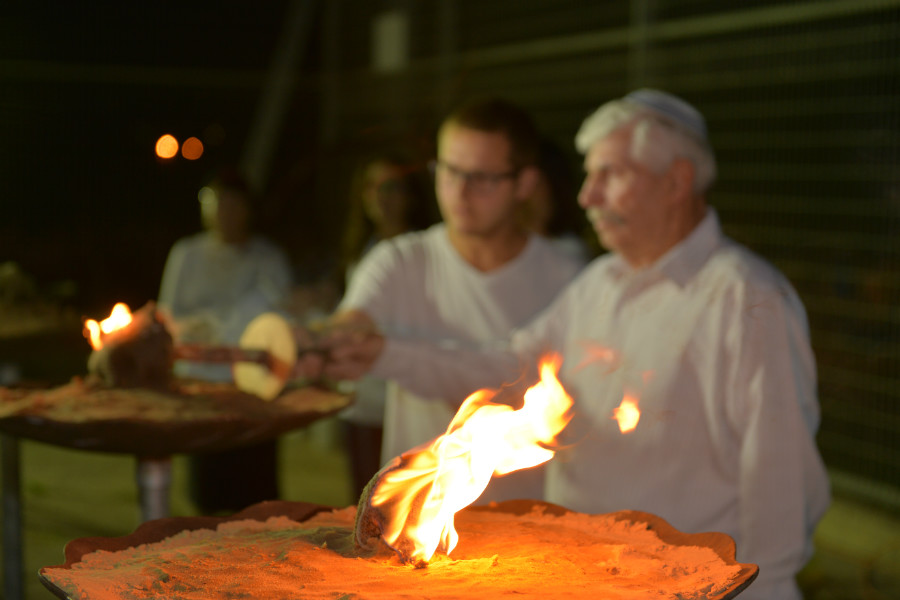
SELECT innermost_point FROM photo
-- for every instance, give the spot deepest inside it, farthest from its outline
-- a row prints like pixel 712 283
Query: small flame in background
pixel 118 318
pixel 627 414
pixel 448 474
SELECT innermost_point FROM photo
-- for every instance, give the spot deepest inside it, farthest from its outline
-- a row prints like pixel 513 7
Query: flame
pixel 627 414
pixel 485 438
pixel 117 319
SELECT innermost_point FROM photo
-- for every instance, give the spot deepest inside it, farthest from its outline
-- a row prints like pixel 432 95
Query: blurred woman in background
pixel 552 210
pixel 388 196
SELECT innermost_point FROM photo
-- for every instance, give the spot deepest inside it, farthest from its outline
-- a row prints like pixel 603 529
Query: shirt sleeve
pixel 173 273
pixel 783 485
pixel 191 323
pixel 436 371
pixel 373 281
pixel 456 369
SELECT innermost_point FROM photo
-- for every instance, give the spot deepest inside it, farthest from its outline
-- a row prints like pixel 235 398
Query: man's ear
pixel 681 179
pixel 526 181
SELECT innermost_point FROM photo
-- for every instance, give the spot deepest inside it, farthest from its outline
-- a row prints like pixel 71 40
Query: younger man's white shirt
pixel 418 287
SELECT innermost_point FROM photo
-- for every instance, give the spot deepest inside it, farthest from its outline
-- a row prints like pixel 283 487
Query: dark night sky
pixel 85 94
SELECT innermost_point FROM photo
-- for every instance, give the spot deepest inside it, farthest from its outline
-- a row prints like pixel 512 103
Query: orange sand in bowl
pixel 500 555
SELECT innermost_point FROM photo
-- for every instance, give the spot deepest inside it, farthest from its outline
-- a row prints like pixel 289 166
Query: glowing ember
pixel 118 318
pixel 595 353
pixel 418 495
pixel 627 414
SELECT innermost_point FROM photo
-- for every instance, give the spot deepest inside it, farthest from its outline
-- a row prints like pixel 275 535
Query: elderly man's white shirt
pixel 417 287
pixel 712 341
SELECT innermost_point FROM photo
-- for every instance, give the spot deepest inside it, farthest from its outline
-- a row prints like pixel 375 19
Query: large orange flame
pixel 118 318
pixel 485 438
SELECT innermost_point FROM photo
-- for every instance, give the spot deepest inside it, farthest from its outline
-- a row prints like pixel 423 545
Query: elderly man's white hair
pixel 665 127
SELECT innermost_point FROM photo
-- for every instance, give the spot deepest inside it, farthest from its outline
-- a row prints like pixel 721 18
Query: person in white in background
pixel 214 283
pixel 710 339
pixel 468 280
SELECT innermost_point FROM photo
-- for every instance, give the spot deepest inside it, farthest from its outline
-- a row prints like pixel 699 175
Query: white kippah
pixel 671 107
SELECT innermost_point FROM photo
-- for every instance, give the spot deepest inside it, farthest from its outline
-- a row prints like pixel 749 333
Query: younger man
pixel 468 281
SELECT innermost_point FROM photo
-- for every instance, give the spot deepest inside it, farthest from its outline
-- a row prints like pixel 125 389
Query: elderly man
pixel 709 339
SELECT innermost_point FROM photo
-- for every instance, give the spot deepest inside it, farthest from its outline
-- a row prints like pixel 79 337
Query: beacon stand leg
pixel 12 519
pixel 154 477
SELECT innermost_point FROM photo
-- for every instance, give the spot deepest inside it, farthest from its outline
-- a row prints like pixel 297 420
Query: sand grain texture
pixel 501 554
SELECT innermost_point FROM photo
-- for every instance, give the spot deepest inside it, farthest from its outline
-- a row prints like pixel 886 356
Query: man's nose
pixel 460 185
pixel 590 194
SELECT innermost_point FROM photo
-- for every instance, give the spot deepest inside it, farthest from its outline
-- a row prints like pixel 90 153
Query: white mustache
pixel 605 215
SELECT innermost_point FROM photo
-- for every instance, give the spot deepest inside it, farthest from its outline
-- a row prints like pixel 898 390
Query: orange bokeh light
pixel 166 146
pixel 192 148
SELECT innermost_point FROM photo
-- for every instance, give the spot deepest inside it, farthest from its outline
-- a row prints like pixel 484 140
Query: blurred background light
pixel 166 146
pixel 192 148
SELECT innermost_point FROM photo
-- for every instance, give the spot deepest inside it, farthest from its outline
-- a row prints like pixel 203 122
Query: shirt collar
pixel 686 258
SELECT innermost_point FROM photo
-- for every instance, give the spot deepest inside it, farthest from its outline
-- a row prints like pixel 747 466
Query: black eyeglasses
pixel 478 181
